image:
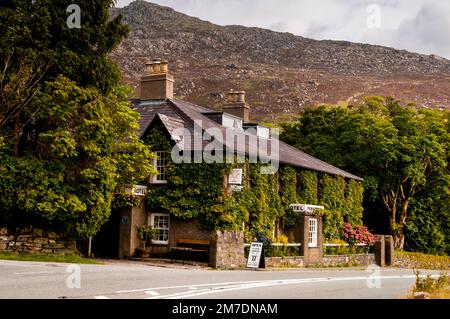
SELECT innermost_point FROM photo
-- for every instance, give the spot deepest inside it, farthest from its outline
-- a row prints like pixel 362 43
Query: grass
pixel 422 261
pixel 69 258
pixel 436 288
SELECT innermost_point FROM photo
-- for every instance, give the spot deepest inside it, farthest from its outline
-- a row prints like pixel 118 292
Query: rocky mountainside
pixel 282 73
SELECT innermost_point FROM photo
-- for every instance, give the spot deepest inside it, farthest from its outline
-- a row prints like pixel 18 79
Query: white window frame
pixel 154 178
pixel 152 223
pixel 313 224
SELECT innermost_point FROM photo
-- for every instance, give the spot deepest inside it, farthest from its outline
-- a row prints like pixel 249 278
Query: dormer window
pixel 231 121
pixel 160 164
pixel 258 130
pixel 263 132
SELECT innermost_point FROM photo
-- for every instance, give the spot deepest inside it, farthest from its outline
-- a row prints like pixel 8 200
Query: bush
pixel 429 284
pixel 348 238
pixel 145 233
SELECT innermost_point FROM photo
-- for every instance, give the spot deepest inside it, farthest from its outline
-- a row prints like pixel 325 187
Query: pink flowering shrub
pixel 357 235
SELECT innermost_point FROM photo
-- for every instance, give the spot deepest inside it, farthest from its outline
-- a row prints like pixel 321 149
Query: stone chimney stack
pixel 237 106
pixel 157 83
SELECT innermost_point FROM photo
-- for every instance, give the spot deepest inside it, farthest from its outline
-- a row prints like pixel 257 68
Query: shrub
pixel 429 284
pixel 357 235
pixel 145 233
pixel 281 251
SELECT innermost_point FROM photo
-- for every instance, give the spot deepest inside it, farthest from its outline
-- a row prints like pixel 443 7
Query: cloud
pixel 415 25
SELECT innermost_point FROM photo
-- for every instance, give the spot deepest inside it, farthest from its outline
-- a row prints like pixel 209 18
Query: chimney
pixel 157 83
pixel 237 106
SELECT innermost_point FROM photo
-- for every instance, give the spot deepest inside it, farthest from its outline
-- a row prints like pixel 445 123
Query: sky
pixel 415 25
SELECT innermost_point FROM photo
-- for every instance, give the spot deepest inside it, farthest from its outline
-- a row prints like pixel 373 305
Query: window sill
pixel 158 182
pixel 160 243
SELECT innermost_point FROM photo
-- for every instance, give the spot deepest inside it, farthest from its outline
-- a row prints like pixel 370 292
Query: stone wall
pixel 330 260
pixel 227 249
pixel 281 262
pixel 37 241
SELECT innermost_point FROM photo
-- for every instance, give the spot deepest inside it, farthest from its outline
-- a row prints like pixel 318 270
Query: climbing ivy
pixel 196 191
pixel 353 209
pixel 308 187
pixel 342 201
pixel 289 195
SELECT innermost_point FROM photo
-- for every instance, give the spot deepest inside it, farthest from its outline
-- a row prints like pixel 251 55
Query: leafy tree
pixel 69 172
pixel 36 45
pixel 397 149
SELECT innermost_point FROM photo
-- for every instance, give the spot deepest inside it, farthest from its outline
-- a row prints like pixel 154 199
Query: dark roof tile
pixel 176 114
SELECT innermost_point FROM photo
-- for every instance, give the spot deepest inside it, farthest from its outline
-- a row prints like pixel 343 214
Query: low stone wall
pixel 226 249
pixel 330 260
pixel 280 262
pixel 356 259
pixel 36 241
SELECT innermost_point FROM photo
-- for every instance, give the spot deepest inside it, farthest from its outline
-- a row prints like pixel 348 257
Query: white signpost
pixel 254 256
pixel 235 180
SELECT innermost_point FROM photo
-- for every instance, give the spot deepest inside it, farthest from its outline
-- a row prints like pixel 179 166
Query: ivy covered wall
pixel 197 191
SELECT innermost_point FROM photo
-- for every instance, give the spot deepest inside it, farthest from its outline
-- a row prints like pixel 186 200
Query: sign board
pixel 139 190
pixel 235 177
pixel 254 256
pixel 236 188
pixel 125 220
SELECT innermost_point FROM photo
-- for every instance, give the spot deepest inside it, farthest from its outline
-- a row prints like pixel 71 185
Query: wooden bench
pixel 186 247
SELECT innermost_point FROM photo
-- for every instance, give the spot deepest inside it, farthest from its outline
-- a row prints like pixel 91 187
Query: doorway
pixel 106 243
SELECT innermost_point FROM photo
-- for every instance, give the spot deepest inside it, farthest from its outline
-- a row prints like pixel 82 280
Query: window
pixel 312 232
pixel 231 122
pixel 160 163
pixel 160 222
pixel 263 132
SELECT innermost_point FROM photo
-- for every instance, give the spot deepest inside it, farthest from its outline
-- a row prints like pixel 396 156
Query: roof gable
pixel 176 115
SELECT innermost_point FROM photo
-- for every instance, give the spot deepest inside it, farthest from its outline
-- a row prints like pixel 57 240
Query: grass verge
pixel 421 261
pixel 69 258
pixel 435 288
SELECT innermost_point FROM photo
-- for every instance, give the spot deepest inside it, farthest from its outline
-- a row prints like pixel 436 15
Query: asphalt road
pixel 123 280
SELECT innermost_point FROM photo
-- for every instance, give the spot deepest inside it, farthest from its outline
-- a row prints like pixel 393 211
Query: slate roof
pixel 175 114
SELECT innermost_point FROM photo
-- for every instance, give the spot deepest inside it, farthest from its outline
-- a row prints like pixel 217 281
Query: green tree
pixel 36 45
pixel 70 171
pixel 397 149
pixel 69 138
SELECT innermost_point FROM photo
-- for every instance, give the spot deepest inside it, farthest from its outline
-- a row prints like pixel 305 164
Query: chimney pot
pixel 236 105
pixel 157 83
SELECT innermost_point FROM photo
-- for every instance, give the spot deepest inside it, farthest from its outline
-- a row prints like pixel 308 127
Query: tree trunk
pixel 399 242
pixel 400 235
pixel 392 212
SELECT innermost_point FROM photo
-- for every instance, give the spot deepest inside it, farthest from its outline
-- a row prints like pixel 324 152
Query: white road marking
pixel 101 297
pixel 48 272
pixel 275 283
pixel 179 294
pixel 152 293
pixel 186 286
pixel 240 285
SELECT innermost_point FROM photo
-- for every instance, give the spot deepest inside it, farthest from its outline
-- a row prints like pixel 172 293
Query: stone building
pixel 158 108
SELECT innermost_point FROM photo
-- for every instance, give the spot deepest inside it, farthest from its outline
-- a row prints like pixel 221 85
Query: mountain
pixel 281 73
